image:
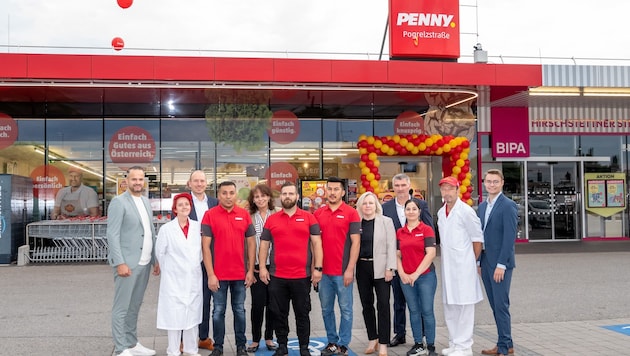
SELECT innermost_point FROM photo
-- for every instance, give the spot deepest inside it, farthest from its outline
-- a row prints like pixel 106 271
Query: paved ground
pixel 563 294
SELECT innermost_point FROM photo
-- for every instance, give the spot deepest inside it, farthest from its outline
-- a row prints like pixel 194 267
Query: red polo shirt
pixel 228 230
pixel 337 226
pixel 290 236
pixel 411 245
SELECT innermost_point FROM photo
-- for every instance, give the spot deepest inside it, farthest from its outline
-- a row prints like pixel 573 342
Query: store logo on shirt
pixel 238 218
pixel 299 220
pixel 340 217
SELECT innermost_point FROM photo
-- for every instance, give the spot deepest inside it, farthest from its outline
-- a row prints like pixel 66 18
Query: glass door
pixel 552 204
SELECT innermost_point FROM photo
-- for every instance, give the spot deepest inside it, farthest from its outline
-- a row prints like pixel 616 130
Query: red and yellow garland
pixel 454 151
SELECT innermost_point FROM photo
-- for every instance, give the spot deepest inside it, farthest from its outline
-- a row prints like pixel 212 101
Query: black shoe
pixel 431 347
pixel 252 349
pixel 397 340
pixel 304 351
pixel 216 352
pixel 272 347
pixel 343 351
pixel 241 351
pixel 330 349
pixel 281 350
pixel 417 350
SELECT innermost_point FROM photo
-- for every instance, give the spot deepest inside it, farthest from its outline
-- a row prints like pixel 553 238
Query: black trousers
pixel 204 327
pixel 367 285
pixel 400 307
pixel 260 309
pixel 298 292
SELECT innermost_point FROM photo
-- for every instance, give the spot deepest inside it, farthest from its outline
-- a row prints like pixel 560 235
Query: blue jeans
pixel 329 288
pixel 237 291
pixel 420 303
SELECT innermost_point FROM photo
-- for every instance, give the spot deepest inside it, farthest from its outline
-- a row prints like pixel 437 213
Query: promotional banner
pixel 605 193
pixel 424 29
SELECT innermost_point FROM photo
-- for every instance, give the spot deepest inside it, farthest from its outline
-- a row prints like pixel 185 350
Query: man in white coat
pixel 178 249
pixel 461 242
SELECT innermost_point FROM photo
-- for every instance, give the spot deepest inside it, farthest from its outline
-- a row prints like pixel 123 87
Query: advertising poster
pixel 243 186
pixel 596 194
pixel 615 193
pixel 313 194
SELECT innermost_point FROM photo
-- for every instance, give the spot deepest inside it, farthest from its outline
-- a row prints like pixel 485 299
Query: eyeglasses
pixel 492 182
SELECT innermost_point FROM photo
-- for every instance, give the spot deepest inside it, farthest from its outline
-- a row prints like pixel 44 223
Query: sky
pixel 512 31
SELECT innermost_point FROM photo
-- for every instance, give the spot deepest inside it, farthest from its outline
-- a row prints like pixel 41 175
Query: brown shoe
pixel 207 344
pixel 495 351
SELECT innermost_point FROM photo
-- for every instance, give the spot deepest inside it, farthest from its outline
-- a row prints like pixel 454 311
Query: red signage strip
pixel 424 29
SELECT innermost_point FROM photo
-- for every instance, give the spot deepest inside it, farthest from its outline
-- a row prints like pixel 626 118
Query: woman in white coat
pixel 178 249
pixel 460 244
pixel 375 269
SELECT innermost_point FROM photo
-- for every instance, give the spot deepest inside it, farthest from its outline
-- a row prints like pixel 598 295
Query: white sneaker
pixel 125 352
pixel 140 350
pixel 187 354
pixel 448 350
pixel 462 352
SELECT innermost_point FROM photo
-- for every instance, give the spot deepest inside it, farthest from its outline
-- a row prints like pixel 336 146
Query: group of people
pixel 281 253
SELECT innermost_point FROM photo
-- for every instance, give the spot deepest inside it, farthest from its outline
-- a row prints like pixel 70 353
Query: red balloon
pixel 461 176
pixel 363 177
pixel 374 170
pixel 377 176
pixel 466 196
pixel 466 144
pixel 365 158
pixel 370 189
pixel 434 147
pixel 118 43
pixel 466 169
pixel 427 151
pixel 125 3
pixel 416 141
pixel 371 149
pixel 365 184
pixel 397 147
pixel 469 189
pixel 403 151
pixel 440 142
pixel 369 163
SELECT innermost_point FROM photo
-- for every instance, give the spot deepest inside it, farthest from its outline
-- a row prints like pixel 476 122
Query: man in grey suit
pixel 394 209
pixel 499 219
pixel 131 237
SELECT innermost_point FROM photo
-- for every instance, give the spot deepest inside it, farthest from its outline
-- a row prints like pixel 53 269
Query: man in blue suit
pixel 499 219
pixel 202 202
pixel 131 237
pixel 395 209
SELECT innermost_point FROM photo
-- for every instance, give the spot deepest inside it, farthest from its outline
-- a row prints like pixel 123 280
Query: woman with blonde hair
pixel 375 269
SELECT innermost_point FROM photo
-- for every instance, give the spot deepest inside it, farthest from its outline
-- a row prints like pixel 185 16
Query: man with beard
pixel 294 234
pixel 341 226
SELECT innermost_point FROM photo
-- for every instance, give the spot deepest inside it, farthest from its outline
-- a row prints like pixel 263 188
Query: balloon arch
pixel 454 152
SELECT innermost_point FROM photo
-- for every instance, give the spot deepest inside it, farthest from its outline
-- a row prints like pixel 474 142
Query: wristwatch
pixel 318 269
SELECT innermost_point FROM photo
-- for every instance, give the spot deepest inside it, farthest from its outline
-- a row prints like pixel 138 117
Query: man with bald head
pixel 76 199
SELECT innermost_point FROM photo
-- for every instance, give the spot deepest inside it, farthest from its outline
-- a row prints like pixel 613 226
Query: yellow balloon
pixel 370 140
pixel 462 189
pixel 362 165
pixel 363 150
pixel 438 152
pixel 377 163
pixel 365 170
pixel 446 148
pixel 372 156
pixel 378 144
pixel 362 137
pixel 377 190
pixel 460 162
pixel 466 182
pixel 391 152
pixel 362 190
pixel 428 142
pixel 385 148
pixel 374 183
pixel 422 146
pixel 469 202
pixel 370 176
pixel 403 142
pixel 463 155
pixel 469 176
pixel 414 151
pixel 396 138
pixel 409 146
pixel 456 170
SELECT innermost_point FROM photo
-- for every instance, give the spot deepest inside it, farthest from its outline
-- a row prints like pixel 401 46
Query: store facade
pixel 269 120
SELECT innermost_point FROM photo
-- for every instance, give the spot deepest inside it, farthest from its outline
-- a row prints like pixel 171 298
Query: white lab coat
pixel 460 280
pixel 180 299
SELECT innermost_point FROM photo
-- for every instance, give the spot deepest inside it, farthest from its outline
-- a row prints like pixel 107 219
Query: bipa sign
pixel 424 29
pixel 510 135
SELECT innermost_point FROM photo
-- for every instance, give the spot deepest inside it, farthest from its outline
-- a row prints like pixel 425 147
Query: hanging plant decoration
pixel 239 118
